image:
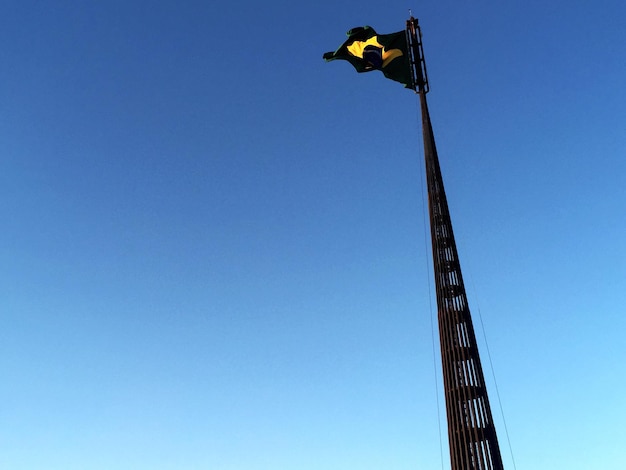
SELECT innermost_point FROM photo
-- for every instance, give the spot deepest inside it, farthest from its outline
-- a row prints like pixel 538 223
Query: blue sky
pixel 213 248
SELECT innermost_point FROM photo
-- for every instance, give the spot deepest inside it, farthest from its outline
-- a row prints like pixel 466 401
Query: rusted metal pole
pixel 471 432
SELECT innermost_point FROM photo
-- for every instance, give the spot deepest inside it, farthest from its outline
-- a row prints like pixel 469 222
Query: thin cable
pixel 493 373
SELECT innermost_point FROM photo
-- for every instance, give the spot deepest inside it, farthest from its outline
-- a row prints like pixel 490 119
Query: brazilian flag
pixel 366 51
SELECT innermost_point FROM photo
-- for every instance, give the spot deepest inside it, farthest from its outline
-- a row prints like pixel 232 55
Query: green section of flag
pixel 366 51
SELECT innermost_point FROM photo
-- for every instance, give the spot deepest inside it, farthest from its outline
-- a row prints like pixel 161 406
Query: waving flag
pixel 367 50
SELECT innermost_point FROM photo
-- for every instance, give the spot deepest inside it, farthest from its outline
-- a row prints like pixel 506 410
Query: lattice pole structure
pixel 471 431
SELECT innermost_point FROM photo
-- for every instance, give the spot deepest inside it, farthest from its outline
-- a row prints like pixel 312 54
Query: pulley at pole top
pixel 416 53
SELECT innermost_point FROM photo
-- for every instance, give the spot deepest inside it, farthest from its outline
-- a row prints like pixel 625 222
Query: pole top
pixel 418 64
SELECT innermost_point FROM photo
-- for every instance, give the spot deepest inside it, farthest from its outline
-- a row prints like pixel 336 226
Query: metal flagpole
pixel 471 432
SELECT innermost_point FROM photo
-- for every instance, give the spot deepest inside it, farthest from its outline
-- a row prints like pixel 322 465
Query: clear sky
pixel 213 250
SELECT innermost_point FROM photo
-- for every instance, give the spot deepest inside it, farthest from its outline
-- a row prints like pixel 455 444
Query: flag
pixel 366 51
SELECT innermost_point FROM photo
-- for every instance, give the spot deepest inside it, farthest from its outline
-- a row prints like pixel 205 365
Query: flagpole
pixel 471 432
